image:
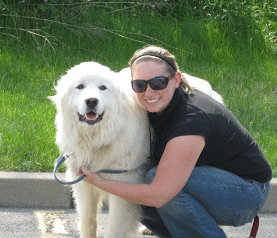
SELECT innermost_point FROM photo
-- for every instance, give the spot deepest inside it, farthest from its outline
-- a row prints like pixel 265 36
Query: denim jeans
pixel 210 198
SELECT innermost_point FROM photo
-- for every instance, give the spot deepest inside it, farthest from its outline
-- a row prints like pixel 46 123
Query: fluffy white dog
pixel 99 118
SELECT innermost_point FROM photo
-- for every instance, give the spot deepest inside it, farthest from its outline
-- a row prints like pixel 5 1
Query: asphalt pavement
pixel 62 223
pixel 35 205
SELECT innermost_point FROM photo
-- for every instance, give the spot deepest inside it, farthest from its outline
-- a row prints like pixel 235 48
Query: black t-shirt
pixel 229 146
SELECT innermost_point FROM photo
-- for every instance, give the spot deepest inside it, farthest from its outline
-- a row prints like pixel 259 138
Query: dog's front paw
pixel 145 231
pixel 88 235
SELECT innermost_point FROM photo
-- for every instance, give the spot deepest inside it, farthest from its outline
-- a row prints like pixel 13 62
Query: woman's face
pixel 155 100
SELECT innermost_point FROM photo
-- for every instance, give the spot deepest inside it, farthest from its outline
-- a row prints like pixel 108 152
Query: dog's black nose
pixel 91 102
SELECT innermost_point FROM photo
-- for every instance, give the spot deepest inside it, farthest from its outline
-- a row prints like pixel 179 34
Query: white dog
pixel 99 118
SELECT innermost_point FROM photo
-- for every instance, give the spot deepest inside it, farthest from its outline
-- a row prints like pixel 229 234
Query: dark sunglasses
pixel 157 83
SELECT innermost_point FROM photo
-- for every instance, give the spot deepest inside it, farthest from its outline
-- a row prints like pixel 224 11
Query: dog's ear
pixel 60 89
pixel 52 99
pixel 58 98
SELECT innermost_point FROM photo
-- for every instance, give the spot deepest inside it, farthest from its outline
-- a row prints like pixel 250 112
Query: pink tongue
pixel 91 116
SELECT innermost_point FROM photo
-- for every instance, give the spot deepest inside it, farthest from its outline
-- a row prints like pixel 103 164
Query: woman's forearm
pixel 136 193
pixel 143 194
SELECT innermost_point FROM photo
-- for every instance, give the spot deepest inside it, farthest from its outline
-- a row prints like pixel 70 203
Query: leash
pixel 61 159
pixel 255 227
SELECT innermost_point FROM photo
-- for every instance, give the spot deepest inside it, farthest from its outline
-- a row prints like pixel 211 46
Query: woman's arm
pixel 174 169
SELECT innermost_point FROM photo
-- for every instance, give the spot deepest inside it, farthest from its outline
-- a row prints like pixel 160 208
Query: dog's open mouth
pixel 90 118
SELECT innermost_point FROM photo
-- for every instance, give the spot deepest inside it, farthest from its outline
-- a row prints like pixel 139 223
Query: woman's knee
pixel 150 175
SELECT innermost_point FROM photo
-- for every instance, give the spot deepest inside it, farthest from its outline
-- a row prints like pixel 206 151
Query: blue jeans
pixel 210 198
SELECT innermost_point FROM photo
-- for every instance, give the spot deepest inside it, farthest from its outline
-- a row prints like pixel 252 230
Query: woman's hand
pixel 92 178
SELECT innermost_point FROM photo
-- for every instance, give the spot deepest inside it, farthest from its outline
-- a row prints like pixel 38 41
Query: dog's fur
pixel 99 118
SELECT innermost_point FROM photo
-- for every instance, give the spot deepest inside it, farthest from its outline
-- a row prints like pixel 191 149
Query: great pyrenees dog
pixel 99 118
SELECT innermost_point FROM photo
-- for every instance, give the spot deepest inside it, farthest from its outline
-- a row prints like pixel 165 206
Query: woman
pixel 207 169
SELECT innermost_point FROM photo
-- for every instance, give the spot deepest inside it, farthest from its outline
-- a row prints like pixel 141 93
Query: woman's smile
pixel 152 101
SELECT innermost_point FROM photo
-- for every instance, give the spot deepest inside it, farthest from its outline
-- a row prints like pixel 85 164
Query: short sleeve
pixel 196 123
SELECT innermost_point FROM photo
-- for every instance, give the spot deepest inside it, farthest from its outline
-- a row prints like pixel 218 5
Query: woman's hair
pixel 162 56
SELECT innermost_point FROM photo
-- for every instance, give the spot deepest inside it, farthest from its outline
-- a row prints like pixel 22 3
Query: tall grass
pixel 232 46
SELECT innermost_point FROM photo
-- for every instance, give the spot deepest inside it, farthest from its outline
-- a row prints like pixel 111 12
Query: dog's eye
pixel 80 86
pixel 102 87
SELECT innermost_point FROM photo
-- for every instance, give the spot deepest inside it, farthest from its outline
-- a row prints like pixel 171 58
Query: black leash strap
pixel 61 159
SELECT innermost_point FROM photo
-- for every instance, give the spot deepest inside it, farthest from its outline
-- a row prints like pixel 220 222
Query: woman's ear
pixel 177 79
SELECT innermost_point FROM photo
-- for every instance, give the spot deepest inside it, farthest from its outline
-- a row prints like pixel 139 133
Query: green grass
pixel 239 62
pixel 26 116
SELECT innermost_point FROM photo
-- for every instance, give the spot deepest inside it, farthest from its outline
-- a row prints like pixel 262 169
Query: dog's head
pixel 87 93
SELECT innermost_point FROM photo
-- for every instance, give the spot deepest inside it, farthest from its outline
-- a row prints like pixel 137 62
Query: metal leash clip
pixel 58 163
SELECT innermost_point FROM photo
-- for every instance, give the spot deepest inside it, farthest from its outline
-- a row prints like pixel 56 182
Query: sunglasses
pixel 157 83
